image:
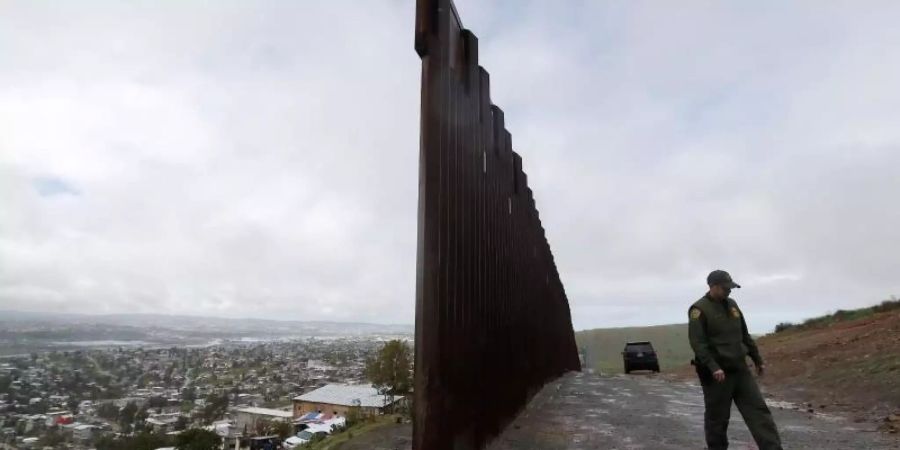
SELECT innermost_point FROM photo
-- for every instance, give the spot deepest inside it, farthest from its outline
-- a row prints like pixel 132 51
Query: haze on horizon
pixel 260 158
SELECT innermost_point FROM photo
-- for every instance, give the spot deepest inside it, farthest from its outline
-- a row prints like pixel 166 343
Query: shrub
pixel 783 326
pixel 841 315
pixel 887 305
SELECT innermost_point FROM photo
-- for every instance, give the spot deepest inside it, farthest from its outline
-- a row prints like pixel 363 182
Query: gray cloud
pixel 260 159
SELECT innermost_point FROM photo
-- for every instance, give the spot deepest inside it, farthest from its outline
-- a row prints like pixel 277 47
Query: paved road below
pixel 584 411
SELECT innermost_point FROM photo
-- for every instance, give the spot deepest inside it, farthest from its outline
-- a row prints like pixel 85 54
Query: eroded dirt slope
pixel 851 366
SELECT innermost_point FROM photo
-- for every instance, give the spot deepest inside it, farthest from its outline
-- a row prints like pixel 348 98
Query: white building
pixel 337 399
pixel 247 418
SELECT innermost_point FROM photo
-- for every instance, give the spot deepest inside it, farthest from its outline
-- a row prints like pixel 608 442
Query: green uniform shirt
pixel 718 335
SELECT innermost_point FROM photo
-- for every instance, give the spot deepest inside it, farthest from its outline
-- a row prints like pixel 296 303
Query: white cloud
pixel 260 159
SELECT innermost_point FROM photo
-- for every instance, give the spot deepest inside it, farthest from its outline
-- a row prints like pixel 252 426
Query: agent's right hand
pixel 719 375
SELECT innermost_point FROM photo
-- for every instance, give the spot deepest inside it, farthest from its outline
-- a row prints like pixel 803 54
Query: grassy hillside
pixel 381 432
pixel 603 346
pixel 840 316
pixel 847 360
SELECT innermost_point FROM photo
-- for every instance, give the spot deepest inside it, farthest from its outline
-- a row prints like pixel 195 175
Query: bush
pixel 841 315
pixel 888 305
pixel 783 326
pixel 197 439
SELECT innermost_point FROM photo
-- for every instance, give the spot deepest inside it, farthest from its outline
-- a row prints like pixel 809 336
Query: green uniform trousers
pixel 740 387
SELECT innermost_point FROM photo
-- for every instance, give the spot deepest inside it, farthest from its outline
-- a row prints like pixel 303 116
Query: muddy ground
pixel 586 411
pixel 850 368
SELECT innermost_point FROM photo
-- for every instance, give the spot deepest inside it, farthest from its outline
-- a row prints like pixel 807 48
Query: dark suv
pixel 640 356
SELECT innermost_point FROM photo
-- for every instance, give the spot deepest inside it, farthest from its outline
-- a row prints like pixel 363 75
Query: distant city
pixel 83 379
pixel 22 333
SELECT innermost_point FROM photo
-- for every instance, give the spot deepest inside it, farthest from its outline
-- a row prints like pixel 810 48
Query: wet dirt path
pixel 585 411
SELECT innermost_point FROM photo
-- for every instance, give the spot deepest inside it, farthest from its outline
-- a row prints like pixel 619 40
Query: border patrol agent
pixel 721 343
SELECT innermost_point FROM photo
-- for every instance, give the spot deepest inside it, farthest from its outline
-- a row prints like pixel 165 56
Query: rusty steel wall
pixel 492 317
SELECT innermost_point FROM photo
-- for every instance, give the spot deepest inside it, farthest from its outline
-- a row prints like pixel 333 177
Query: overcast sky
pixel 260 158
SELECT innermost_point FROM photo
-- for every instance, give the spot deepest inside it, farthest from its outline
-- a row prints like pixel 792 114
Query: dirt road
pixel 584 411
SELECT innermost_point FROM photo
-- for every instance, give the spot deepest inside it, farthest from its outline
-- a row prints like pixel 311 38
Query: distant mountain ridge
pixel 193 322
pixel 25 332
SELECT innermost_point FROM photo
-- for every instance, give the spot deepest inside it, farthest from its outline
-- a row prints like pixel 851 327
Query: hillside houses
pixel 87 394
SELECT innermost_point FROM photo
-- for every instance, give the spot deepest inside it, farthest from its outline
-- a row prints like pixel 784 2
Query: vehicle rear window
pixel 644 348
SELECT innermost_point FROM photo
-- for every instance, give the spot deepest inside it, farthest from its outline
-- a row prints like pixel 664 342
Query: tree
pixel 389 371
pixel 126 416
pixel 269 427
pixel 167 378
pixel 783 326
pixel 189 394
pixel 140 417
pixel 38 408
pixel 216 406
pixel 157 402
pixel 142 441
pixel 283 429
pixel 108 411
pixel 198 439
pixel 103 380
pixel 149 441
pixel 236 390
pixel 73 404
pixel 106 443
pixel 52 438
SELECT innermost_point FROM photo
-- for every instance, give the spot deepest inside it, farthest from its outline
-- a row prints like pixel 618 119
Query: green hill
pixel 602 347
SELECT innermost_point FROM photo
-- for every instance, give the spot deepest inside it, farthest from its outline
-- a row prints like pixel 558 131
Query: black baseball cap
pixel 721 278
